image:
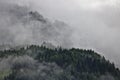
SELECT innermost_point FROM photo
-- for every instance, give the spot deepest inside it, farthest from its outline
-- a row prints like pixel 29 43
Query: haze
pixel 94 23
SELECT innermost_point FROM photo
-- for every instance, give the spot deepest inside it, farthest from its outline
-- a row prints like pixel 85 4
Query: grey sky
pixel 95 23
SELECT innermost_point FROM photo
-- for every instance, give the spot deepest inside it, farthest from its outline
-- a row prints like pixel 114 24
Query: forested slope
pixel 41 63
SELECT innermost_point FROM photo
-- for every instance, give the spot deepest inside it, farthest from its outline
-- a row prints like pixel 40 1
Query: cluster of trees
pixel 41 63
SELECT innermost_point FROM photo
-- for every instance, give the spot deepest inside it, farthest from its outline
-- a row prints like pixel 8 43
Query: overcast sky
pixel 95 23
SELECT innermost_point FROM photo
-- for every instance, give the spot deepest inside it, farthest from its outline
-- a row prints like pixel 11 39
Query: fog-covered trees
pixel 41 63
pixel 26 68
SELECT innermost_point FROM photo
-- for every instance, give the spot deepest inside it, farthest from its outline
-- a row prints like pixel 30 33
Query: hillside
pixel 41 63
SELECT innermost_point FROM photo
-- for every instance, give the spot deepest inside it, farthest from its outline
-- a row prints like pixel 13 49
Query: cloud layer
pixel 95 23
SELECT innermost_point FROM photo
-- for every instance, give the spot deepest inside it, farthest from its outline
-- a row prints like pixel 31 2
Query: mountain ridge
pixel 75 64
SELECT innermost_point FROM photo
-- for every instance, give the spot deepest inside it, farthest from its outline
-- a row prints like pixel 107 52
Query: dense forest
pixel 42 63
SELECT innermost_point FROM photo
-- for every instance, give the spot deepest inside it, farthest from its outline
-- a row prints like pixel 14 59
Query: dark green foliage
pixel 78 64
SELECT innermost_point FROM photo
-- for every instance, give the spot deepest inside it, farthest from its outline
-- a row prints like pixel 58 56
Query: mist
pixel 27 68
pixel 81 23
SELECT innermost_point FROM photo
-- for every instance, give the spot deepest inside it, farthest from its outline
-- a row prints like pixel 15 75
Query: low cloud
pixel 94 24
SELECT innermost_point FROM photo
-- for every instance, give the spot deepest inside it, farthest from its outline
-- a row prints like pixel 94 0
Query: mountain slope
pixel 41 63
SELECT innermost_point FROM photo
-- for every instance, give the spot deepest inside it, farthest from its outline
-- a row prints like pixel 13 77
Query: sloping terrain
pixel 41 63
